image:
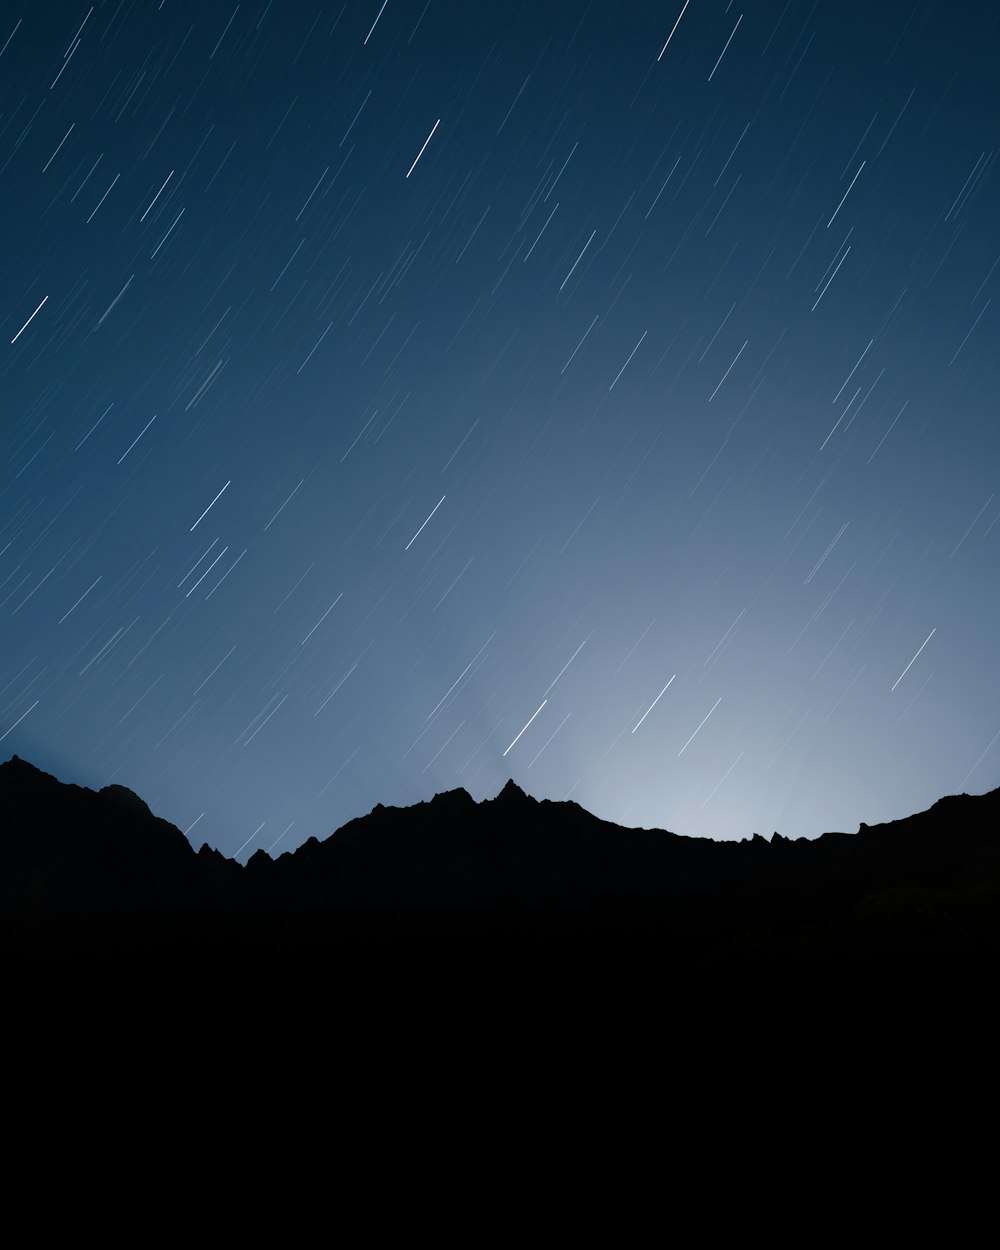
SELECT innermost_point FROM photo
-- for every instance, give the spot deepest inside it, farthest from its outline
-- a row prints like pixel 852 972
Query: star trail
pixel 399 396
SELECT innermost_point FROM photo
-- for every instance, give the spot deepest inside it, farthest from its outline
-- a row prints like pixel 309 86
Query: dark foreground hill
pixel 499 1003
pixel 511 879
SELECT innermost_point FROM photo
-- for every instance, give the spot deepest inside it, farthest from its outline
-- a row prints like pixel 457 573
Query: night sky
pixel 408 397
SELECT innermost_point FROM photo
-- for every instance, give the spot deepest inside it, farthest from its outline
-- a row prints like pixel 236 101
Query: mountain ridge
pixel 99 869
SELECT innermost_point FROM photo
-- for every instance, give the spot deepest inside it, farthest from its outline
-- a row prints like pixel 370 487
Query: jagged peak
pixel 457 796
pixel 512 793
pixel 19 765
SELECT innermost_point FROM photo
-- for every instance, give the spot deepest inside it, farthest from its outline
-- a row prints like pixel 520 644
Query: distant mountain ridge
pixel 99 870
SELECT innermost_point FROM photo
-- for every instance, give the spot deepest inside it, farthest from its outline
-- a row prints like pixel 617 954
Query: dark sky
pixel 408 397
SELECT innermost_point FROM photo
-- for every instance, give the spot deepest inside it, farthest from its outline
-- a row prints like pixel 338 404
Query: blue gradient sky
pixel 655 405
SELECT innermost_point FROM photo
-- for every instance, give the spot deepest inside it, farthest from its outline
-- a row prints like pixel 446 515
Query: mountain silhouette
pixel 97 872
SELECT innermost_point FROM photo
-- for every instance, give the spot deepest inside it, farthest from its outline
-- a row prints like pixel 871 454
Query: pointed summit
pixel 512 793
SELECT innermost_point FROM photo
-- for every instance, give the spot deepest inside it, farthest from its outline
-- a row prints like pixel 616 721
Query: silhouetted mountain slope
pixel 81 867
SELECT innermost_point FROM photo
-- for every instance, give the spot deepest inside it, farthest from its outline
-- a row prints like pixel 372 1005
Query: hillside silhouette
pixel 96 874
